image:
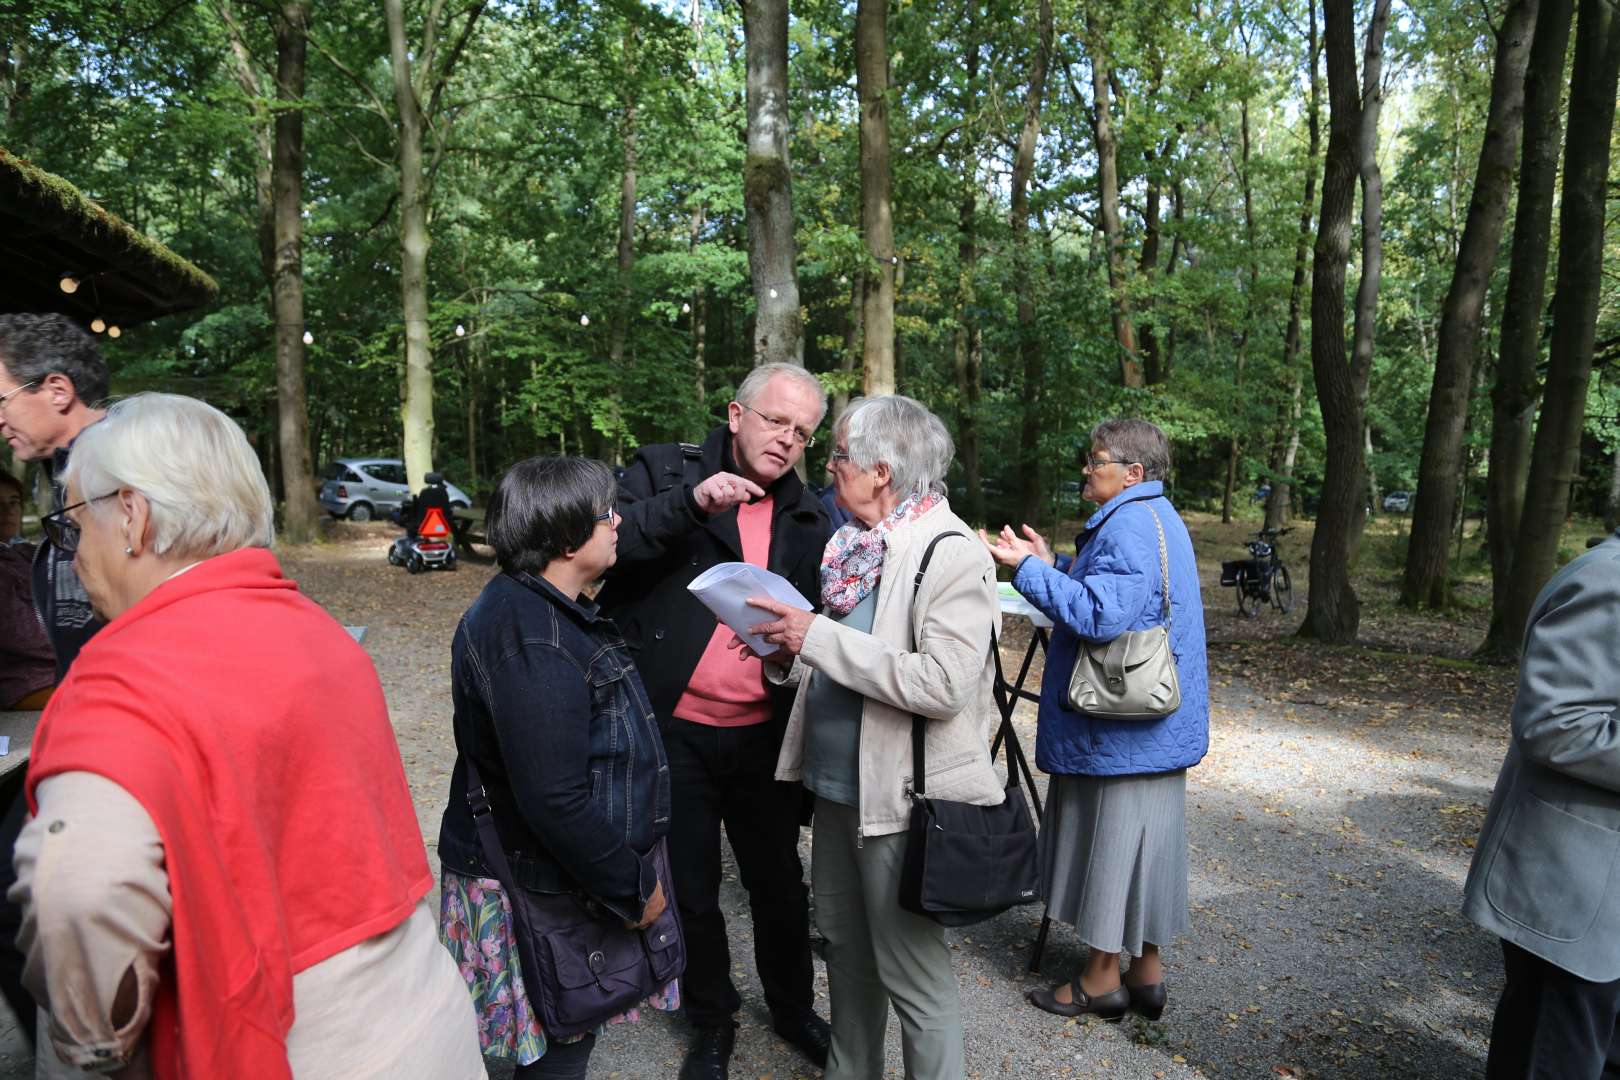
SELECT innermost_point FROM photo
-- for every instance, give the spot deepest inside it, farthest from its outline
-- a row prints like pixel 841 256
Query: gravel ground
pixel 1331 826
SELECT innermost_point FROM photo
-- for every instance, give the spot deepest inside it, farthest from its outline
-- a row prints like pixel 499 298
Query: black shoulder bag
pixel 581 965
pixel 966 863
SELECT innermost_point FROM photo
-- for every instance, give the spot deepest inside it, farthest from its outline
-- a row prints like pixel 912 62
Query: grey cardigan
pixel 1546 871
pixel 938 666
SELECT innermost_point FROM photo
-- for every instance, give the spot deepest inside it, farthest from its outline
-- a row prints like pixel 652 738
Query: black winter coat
pixel 665 542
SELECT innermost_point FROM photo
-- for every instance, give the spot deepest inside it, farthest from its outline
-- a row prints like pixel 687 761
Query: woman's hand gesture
pixel 654 908
pixel 788 630
pixel 1009 549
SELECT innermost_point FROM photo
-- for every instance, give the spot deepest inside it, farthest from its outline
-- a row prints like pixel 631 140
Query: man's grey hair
pixel 34 347
pixel 1131 441
pixel 202 480
pixel 900 432
pixel 754 385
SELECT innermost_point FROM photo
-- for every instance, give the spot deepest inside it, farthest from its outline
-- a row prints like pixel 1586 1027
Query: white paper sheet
pixel 725 589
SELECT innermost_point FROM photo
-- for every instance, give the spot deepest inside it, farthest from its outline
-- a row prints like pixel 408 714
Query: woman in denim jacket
pixel 1114 839
pixel 550 709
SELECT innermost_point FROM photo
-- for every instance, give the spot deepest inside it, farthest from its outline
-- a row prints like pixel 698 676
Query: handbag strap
pixel 484 822
pixel 918 764
pixel 1164 563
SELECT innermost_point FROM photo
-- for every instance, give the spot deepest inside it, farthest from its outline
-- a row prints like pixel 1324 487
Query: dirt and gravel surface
pixel 1331 828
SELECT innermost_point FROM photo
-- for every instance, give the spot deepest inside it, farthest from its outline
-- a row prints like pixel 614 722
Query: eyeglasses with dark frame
pixel 780 426
pixel 605 517
pixel 838 455
pixel 1091 464
pixel 62 531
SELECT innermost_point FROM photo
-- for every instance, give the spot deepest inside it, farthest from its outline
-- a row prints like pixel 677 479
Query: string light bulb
pixel 309 338
pixel 461 331
pixel 584 320
pixel 773 294
pixel 68 283
pixel 113 331
pixel 686 309
pixel 97 325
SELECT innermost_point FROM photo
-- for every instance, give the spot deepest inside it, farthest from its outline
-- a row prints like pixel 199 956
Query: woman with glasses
pixel 552 718
pixel 27 664
pixel 887 648
pixel 1114 838
pixel 224 874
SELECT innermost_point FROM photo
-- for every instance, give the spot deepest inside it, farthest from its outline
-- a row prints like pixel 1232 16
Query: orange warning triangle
pixel 433 526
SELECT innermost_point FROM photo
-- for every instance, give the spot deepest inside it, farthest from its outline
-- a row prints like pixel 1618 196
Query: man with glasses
pixel 687 508
pixel 52 377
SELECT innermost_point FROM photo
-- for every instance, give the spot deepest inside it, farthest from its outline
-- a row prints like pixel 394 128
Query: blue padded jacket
pixel 1113 585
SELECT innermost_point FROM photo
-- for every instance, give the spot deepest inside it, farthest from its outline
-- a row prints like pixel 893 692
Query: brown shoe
pixel 1110 1006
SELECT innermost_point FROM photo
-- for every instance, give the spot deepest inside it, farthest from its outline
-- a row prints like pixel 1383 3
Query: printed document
pixel 725 590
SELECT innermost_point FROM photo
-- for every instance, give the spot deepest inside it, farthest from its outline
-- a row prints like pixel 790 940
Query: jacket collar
pixel 583 612
pixel 1147 489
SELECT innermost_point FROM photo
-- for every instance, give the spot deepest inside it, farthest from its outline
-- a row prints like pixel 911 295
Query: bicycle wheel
pixel 1282 590
pixel 1248 595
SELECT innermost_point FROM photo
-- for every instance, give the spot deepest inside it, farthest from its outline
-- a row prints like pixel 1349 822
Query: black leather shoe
pixel 710 1056
pixel 1148 1000
pixel 812 1035
pixel 1110 1006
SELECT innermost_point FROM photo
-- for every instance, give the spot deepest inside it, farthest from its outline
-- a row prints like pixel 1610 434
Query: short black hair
pixel 35 346
pixel 545 507
pixel 7 480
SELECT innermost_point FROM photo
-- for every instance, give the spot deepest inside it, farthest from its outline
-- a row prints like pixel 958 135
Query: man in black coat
pixel 687 508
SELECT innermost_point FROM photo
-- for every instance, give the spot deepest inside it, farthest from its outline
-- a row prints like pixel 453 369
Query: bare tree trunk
pixel 1334 611
pixel 1372 200
pixel 619 333
pixel 1556 457
pixel 414 241
pixel 1130 366
pixel 965 345
pixel 1235 447
pixel 299 508
pixel 1611 503
pixel 1517 388
pixel 1029 337
pixel 700 315
pixel 852 348
pixel 767 187
pixel 877 215
pixel 1427 582
pixel 246 71
pixel 1279 502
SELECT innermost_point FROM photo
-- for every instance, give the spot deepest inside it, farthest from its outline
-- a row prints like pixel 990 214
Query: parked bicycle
pixel 1261 579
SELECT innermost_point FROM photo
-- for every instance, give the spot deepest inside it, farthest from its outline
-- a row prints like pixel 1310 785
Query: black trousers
pixel 14 808
pixel 726 777
pixel 1551 1025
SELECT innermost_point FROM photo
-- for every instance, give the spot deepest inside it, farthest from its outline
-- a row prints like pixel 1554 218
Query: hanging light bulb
pixel 686 309
pixel 773 294
pixel 461 331
pixel 113 331
pixel 97 325
pixel 309 338
pixel 584 320
pixel 68 283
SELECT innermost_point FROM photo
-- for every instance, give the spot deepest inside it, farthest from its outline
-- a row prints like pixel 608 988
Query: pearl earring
pixel 129 550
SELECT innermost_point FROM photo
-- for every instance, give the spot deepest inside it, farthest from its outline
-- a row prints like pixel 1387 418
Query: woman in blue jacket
pixel 1114 838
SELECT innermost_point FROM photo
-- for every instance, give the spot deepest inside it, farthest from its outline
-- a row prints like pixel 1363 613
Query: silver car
pixel 361 489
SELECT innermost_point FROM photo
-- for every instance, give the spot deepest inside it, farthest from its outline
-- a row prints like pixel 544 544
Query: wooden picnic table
pixel 467 523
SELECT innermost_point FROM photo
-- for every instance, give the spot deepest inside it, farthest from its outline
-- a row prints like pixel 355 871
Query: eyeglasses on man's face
pixel 779 426
pixel 1092 464
pixel 13 392
pixel 62 531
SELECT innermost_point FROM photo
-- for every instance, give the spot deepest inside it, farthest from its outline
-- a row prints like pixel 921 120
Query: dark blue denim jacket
pixel 549 707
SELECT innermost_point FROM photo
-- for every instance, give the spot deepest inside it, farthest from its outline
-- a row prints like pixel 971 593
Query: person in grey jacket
pixel 1546 872
pixel 887 647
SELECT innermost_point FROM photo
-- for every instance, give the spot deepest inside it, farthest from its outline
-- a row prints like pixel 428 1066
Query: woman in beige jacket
pixel 885 648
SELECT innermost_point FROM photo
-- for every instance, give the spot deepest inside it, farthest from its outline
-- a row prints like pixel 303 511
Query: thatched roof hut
pixel 49 229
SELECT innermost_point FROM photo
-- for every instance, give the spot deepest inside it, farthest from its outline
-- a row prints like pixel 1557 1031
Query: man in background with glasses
pixel 52 378
pixel 686 508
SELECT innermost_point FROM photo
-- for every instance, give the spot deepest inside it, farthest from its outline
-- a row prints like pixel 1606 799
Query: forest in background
pixel 1319 245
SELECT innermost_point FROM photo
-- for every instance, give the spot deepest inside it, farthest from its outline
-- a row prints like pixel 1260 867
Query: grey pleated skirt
pixel 1114 858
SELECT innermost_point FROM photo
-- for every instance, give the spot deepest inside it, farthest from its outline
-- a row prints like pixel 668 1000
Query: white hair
pixel 756 381
pixel 905 436
pixel 202 480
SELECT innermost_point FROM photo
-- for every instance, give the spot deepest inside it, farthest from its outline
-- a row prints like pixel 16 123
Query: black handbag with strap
pixel 581 965
pixel 966 863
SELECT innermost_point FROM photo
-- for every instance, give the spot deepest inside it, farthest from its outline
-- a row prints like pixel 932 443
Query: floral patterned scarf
pixel 853 561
